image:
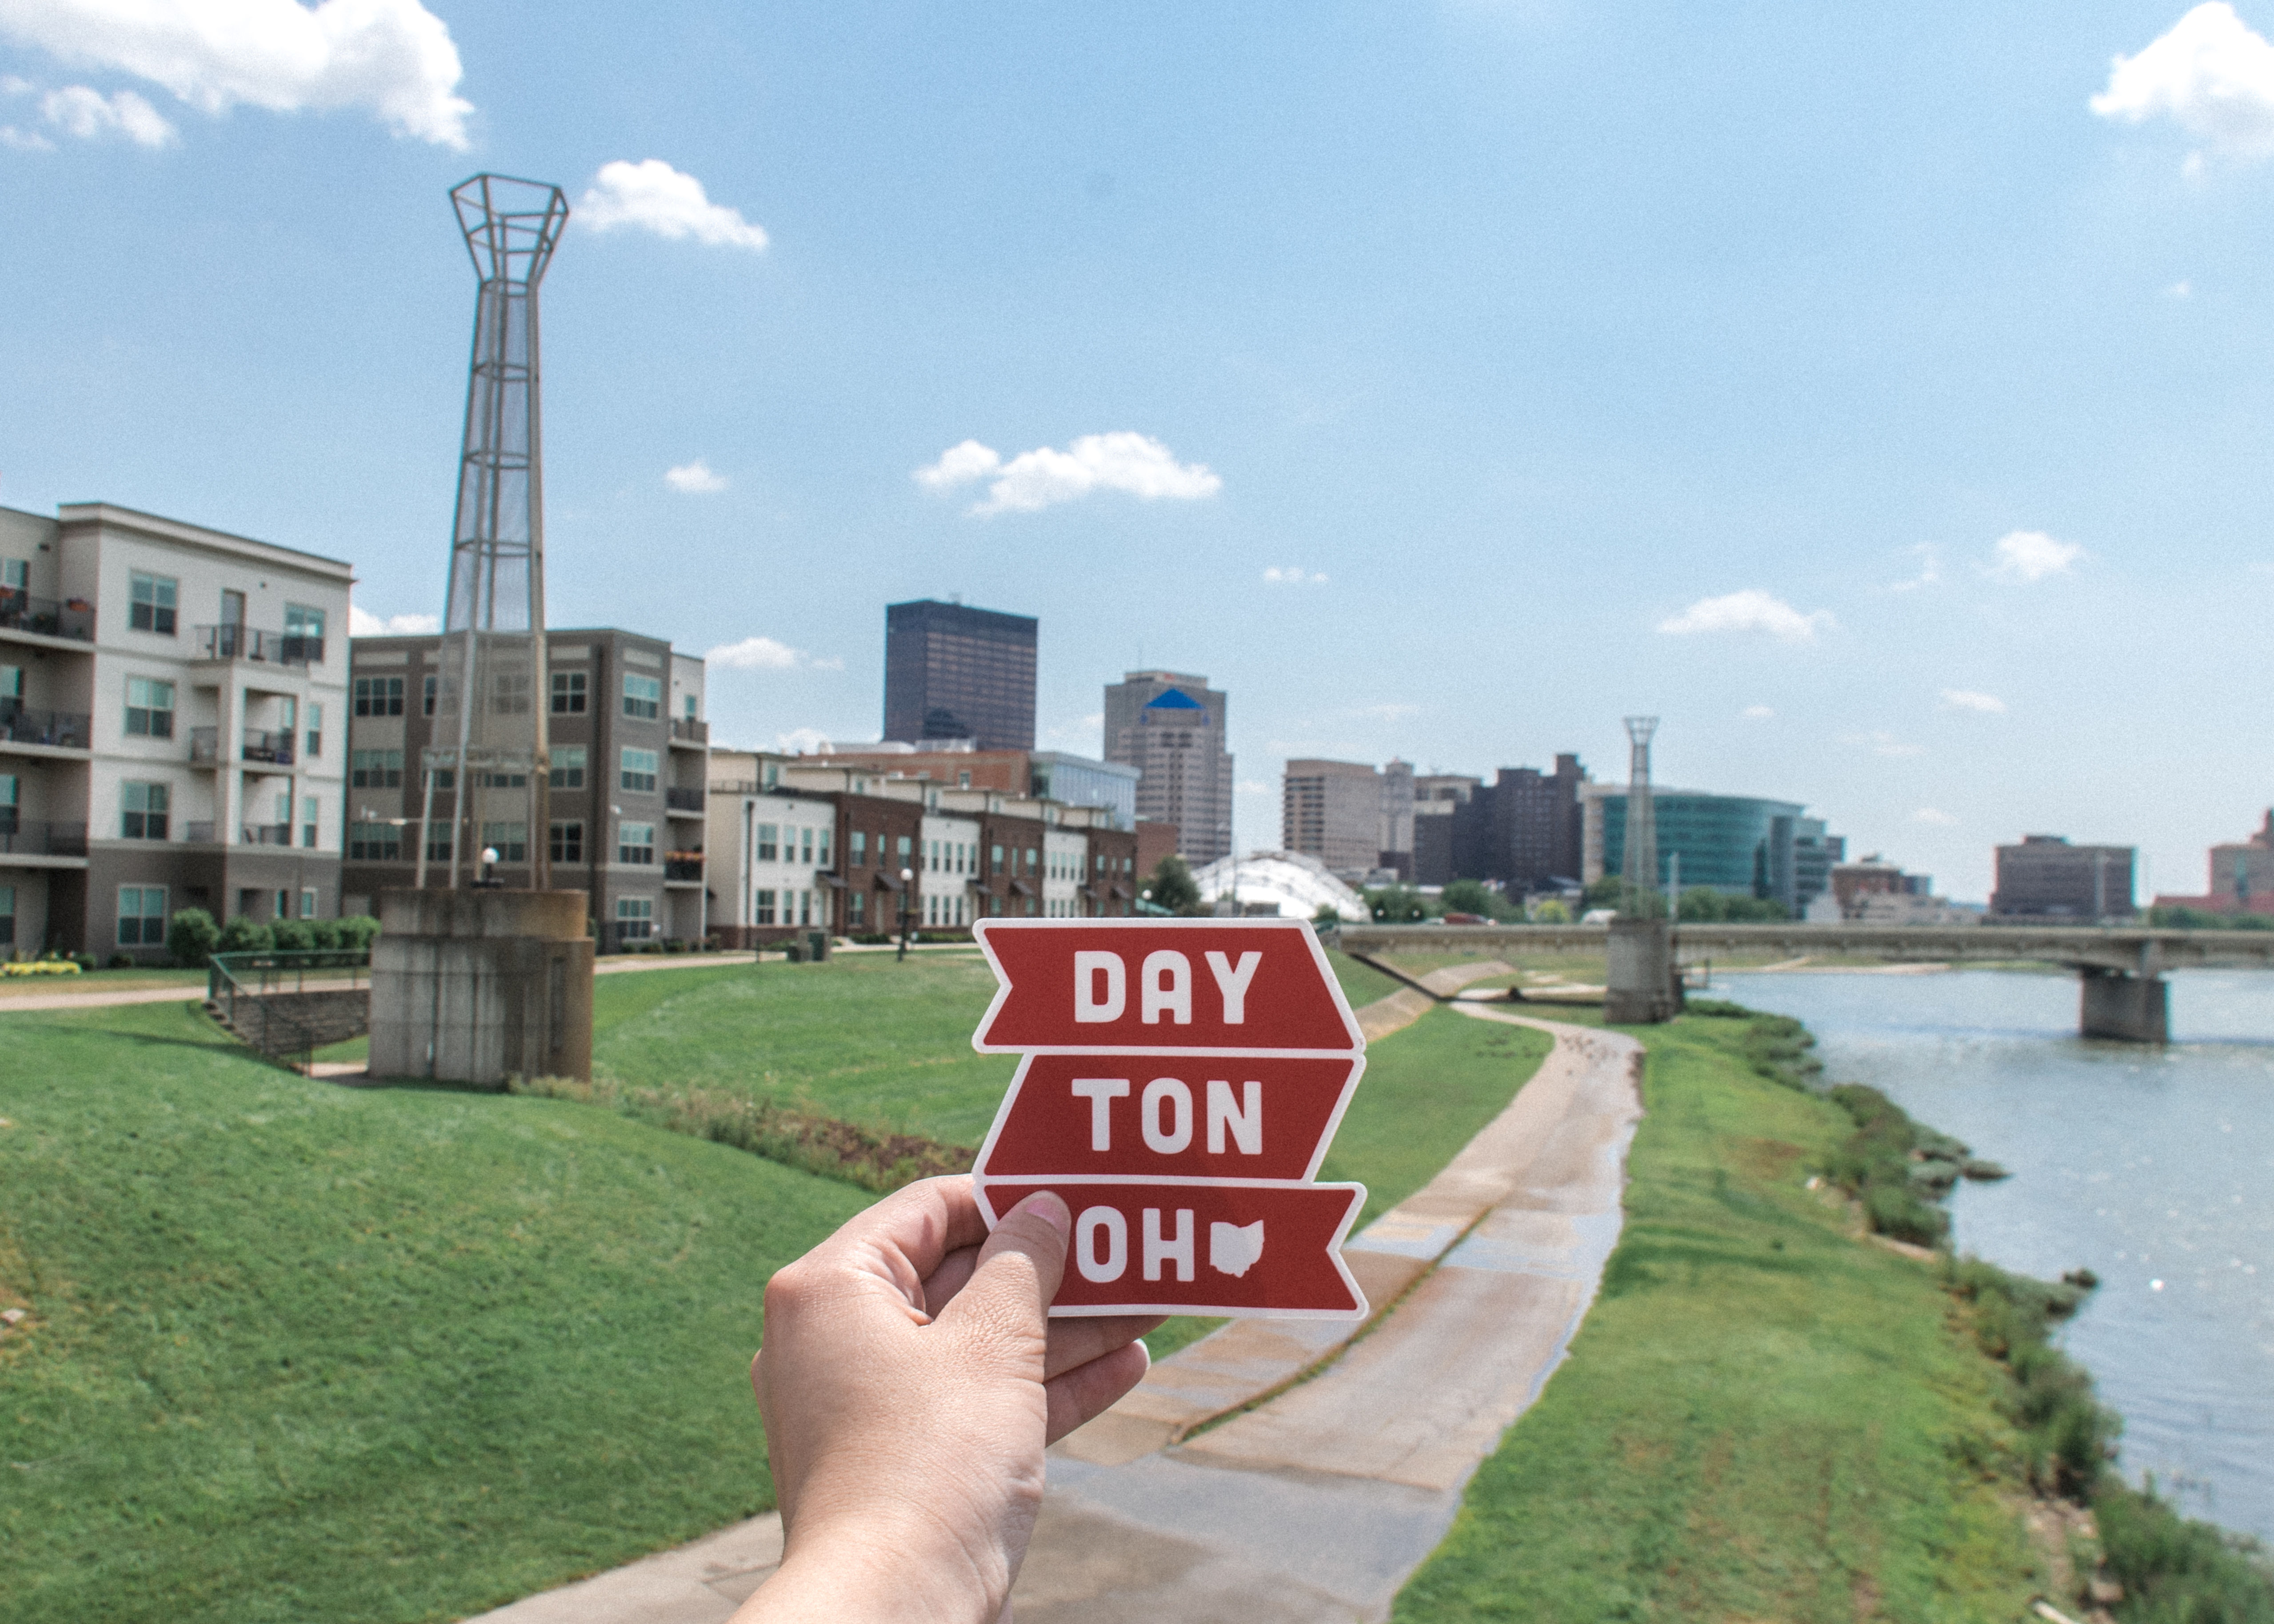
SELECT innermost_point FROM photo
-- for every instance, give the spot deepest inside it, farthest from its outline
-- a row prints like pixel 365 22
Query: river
pixel 2153 1167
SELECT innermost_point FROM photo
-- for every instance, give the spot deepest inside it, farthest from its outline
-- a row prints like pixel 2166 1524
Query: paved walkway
pixel 1319 1502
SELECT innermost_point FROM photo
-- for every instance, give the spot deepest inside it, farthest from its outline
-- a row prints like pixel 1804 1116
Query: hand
pixel 910 1382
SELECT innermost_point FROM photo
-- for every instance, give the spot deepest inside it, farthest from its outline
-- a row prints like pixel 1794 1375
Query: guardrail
pixel 267 834
pixel 691 730
pixel 243 642
pixel 49 617
pixel 683 800
pixel 23 839
pixel 238 988
pixel 21 724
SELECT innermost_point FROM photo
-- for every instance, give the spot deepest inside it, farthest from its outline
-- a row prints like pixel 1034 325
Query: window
pixel 963 780
pixel 383 696
pixel 636 770
pixel 860 848
pixel 996 856
pixel 374 843
pixel 860 908
pixel 15 576
pixel 150 608
pixel 907 852
pixel 7 916
pixel 438 843
pixel 444 778
pixel 566 843
pixel 11 683
pixel 428 702
pixel 501 780
pixel 149 708
pixel 821 850
pixel 635 843
pixel 283 904
pixel 767 835
pixel 691 707
pixel 643 697
pixel 805 845
pixel 315 730
pixel 312 818
pixel 143 815
pixel 509 693
pixel 509 841
pixel 304 633
pixel 568 766
pixel 634 917
pixel 1033 856
pixel 9 790
pixel 762 908
pixel 141 915
pixel 568 693
pixel 375 769
pixel 308 904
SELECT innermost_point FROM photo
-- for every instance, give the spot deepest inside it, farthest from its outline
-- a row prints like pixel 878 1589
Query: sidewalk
pixel 1319 1503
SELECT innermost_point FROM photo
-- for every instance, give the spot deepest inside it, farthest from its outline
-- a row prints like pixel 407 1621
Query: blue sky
pixel 1443 379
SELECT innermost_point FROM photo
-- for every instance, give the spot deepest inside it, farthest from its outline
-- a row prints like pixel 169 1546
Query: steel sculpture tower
pixel 488 731
pixel 1641 868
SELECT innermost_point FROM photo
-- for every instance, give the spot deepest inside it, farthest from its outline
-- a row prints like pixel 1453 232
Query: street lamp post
pixel 908 880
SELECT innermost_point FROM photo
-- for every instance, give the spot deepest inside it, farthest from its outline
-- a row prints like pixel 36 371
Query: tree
pixel 1172 886
pixel 1476 897
pixel 1397 904
pixel 1551 912
pixel 191 935
pixel 1607 892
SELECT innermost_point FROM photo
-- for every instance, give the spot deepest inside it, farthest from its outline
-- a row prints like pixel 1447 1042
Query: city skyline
pixel 1878 405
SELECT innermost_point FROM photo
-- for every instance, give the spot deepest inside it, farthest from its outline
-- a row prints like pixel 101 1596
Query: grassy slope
pixel 302 1351
pixel 1760 1419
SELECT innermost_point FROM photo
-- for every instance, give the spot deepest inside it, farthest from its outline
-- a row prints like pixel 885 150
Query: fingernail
pixel 1053 1211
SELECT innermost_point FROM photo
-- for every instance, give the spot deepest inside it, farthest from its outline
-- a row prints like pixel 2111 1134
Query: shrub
pixel 2173 1567
pixel 292 936
pixel 246 935
pixel 120 961
pixel 326 933
pixel 85 961
pixel 357 932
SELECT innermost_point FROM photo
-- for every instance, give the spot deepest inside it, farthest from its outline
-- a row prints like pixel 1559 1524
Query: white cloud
pixel 1929 816
pixel 1752 610
pixel 694 479
pixel 1251 786
pixel 1293 577
pixel 363 623
pixel 2181 290
pixel 390 57
pixel 1930 570
pixel 802 741
pixel 25 140
pixel 651 196
pixel 2032 555
pixel 90 114
pixel 2210 74
pixel 1756 713
pixel 1125 460
pixel 1967 699
pixel 1883 744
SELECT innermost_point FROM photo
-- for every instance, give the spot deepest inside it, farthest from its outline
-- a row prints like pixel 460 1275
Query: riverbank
pixel 1767 1417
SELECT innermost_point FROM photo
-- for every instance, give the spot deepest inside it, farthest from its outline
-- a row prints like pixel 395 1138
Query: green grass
pixel 305 1352
pixel 1761 1419
pixel 1361 984
pixel 97 981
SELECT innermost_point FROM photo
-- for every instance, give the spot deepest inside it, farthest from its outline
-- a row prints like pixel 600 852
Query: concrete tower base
pixel 480 986
pixel 1642 987
pixel 2134 1009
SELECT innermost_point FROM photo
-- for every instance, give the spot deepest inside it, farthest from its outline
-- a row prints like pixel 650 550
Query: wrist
pixel 867 1573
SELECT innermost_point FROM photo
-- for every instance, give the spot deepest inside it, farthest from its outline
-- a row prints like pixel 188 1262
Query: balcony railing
pixel 276 748
pixel 22 723
pixel 243 642
pixel 682 866
pixel 72 617
pixel 267 834
pixel 204 745
pixel 23 839
pixel 201 834
pixel 683 800
pixel 691 730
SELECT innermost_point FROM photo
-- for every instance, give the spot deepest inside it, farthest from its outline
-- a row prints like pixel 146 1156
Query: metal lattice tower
pixel 489 728
pixel 1641 868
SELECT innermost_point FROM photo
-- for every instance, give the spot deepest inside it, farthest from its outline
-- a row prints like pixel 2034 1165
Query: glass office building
pixel 1081 781
pixel 1740 844
pixel 952 672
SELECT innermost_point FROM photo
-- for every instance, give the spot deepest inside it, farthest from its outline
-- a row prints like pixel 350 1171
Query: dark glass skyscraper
pixel 957 672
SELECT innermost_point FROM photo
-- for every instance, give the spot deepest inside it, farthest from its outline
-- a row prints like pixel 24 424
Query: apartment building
pixel 625 801
pixel 967 854
pixel 171 698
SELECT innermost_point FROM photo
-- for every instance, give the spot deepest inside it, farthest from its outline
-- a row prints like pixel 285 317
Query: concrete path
pixel 1321 1501
pixel 11 1002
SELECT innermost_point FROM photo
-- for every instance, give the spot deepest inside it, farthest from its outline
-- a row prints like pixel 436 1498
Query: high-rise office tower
pixel 1332 810
pixel 1170 727
pixel 952 672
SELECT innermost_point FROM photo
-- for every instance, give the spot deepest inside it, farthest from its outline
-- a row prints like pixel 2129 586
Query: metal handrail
pixel 22 723
pixel 49 617
pixel 257 972
pixel 19 837
pixel 232 641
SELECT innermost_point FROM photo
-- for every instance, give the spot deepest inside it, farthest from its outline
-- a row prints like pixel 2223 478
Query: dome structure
pixel 1288 883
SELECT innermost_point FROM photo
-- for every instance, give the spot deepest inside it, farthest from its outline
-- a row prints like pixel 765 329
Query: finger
pixel 1016 1273
pixel 949 1278
pixel 1088 1391
pixel 902 1239
pixel 1078 1341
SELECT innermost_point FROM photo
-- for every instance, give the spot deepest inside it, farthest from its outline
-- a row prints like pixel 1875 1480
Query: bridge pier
pixel 2133 1009
pixel 1642 986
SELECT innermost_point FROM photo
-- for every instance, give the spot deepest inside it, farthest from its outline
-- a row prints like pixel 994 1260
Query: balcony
pixel 243 642
pixel 275 749
pixel 267 834
pixel 22 839
pixel 199 834
pixel 682 866
pixel 22 724
pixel 687 730
pixel 48 617
pixel 681 799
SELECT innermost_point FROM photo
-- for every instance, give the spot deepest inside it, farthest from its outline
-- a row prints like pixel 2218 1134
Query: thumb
pixel 1017 1272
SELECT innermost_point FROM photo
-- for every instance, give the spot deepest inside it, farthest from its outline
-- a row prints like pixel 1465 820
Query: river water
pixel 2152 1167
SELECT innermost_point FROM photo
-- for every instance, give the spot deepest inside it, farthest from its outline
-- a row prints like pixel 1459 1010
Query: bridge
pixel 2122 968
